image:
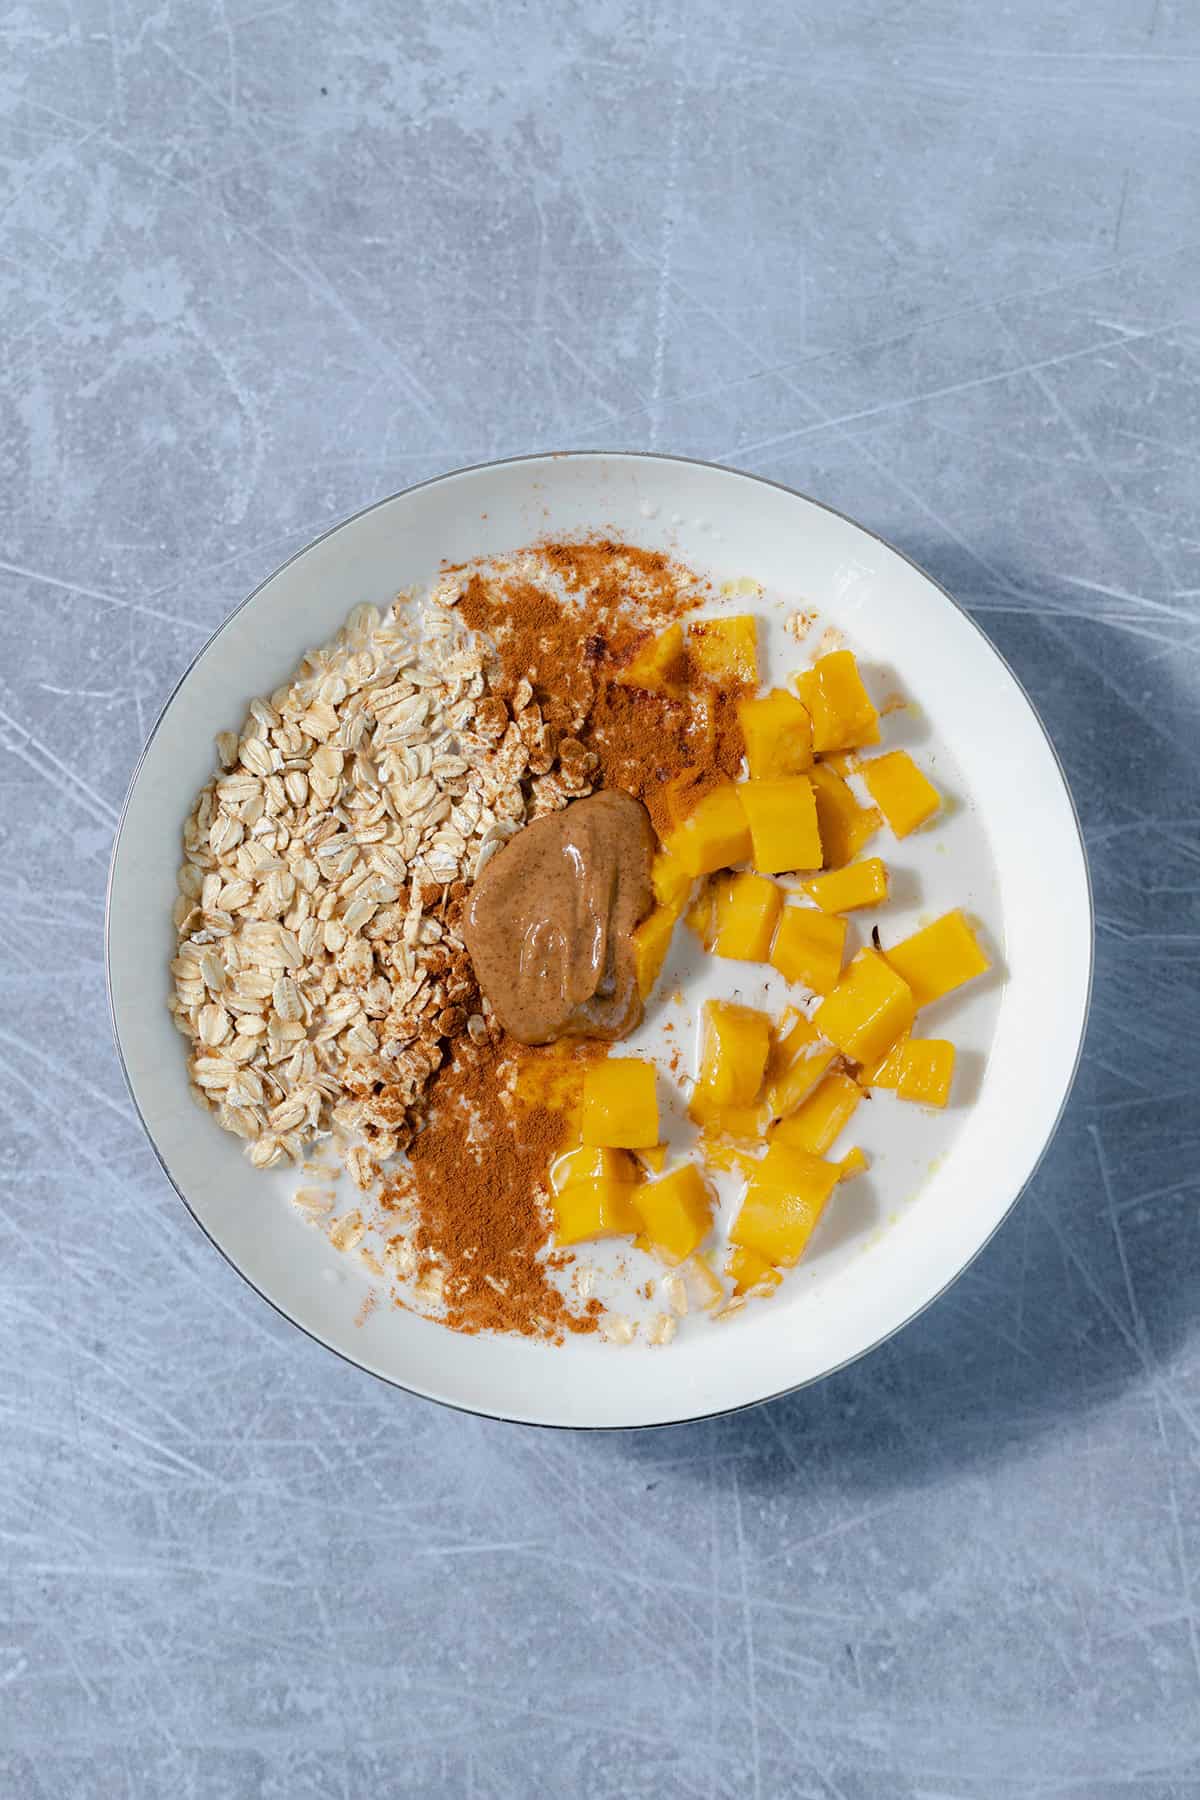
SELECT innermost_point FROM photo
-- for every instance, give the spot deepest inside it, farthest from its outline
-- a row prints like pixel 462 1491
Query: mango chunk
pixel 777 732
pixel 926 1071
pixel 726 650
pixel 733 1053
pixel 554 1081
pixel 784 1199
pixel 852 1164
pixel 595 1209
pixel 591 1164
pixel 676 1212
pixel 886 1072
pixel 840 708
pixel 782 817
pixel 745 910
pixel 654 1158
pixel 657 664
pixel 904 796
pixel 808 948
pixel 799 1058
pixel 868 1009
pixel 751 1273
pixel 938 959
pixel 858 884
pixel 714 834
pixel 650 943
pixel 620 1104
pixel 844 825
pixel 670 880
pixel 816 1123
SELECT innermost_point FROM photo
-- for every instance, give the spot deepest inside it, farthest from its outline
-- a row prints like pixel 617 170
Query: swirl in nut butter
pixel 550 921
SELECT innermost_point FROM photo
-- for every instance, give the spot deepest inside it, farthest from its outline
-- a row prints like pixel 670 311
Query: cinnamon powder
pixel 479 1173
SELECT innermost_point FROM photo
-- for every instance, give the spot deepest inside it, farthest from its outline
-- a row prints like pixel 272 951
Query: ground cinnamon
pixel 478 1174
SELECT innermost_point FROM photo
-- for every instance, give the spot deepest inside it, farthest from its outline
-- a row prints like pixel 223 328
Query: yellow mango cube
pixel 554 1081
pixel 818 1120
pixel 886 1072
pixel 782 816
pixel 591 1164
pixel 726 650
pixel 654 1158
pixel 714 835
pixel 868 1009
pixel 808 948
pixel 676 1212
pixel 858 884
pixel 751 1273
pixel 733 1055
pixel 926 1071
pixel 595 1209
pixel 799 1057
pixel 904 796
pixel 620 1104
pixel 650 943
pixel 841 711
pixel 746 908
pixel 938 959
pixel 777 732
pixel 784 1199
pixel 670 880
pixel 657 664
pixel 844 825
pixel 853 1163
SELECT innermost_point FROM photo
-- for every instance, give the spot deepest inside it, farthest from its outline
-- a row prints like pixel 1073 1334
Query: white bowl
pixel 1009 849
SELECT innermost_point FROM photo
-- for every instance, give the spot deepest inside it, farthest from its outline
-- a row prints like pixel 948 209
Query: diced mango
pixel 650 943
pixel 904 796
pixel 808 948
pixel 841 711
pixel 816 1123
pixel 852 1164
pixel 591 1164
pixel 726 650
pixel 670 880
pixel 858 884
pixel 654 1158
pixel 751 1273
pixel 938 959
pixel 620 1104
pixel 926 1071
pixel 676 1212
pixel 733 1052
pixel 778 735
pixel 798 1060
pixel 782 817
pixel 714 834
pixel 868 1009
pixel 595 1209
pixel 745 910
pixel 886 1072
pixel 784 1198
pixel 844 825
pixel 657 664
pixel 554 1081
pixel 747 1123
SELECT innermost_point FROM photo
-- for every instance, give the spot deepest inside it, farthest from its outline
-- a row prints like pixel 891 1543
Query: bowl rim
pixel 602 455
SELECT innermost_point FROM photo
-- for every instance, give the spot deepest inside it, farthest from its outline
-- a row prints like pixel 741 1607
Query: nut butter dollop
pixel 549 922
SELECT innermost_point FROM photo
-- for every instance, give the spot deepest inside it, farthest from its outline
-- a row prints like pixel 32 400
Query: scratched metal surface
pixel 260 263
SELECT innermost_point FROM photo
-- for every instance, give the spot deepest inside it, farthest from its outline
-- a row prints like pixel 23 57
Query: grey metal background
pixel 937 265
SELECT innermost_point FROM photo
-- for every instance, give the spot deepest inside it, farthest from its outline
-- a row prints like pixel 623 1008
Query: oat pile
pixel 318 971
